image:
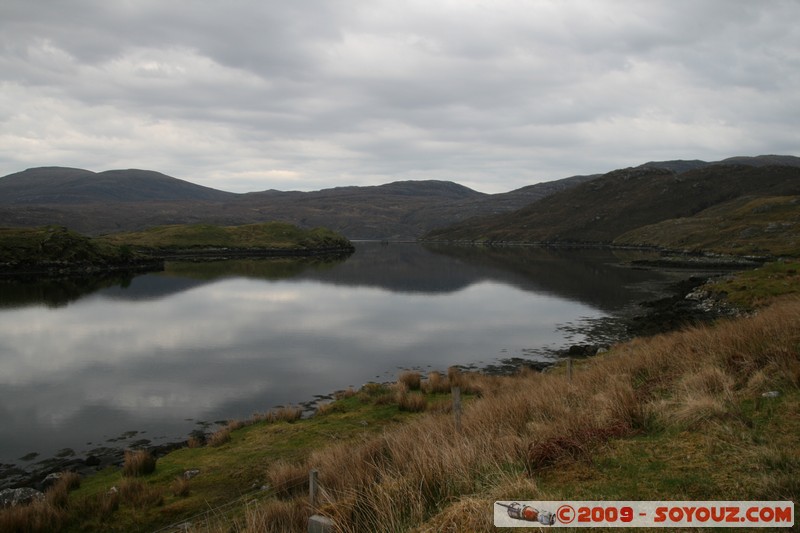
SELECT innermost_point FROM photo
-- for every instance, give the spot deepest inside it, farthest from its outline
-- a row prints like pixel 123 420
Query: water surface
pixel 109 361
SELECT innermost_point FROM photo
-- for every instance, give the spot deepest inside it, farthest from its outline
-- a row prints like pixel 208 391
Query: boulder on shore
pixel 21 496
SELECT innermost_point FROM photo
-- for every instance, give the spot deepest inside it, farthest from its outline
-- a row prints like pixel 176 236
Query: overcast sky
pixel 247 95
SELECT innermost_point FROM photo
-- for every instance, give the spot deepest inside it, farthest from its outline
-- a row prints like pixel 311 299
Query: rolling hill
pixel 134 200
pixel 619 202
pixel 59 186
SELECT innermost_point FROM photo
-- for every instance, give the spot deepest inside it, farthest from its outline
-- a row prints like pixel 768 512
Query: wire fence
pixel 213 516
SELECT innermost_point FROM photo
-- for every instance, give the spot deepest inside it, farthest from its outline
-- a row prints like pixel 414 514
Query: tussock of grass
pixel 288 413
pixel 436 383
pixel 138 463
pixel 58 494
pixel 349 392
pixel 410 379
pixel 220 437
pixel 411 401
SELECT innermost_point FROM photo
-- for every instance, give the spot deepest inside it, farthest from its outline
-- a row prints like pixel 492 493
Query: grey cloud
pixel 356 92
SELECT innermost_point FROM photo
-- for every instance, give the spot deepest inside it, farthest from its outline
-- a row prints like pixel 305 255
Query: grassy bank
pixel 55 249
pixel 676 416
pixel 27 247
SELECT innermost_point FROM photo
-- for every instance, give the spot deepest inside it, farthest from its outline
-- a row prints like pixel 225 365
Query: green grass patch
pixel 729 460
pixel 744 226
pixel 48 244
pixel 269 235
pixel 754 288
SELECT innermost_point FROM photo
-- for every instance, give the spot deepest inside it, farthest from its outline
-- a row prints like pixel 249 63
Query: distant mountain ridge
pixel 132 200
pixel 60 185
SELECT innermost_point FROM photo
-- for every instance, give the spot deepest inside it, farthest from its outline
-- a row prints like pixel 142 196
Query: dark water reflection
pixel 83 362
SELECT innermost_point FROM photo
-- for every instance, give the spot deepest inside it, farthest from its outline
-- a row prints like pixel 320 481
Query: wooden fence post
pixel 317 523
pixel 456 392
pixel 312 487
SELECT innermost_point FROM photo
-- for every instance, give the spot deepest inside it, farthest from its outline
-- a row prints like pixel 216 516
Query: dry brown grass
pixel 349 392
pixel 287 479
pixel 58 494
pixel 411 401
pixel 326 408
pixel 436 383
pixel 219 437
pixel 277 516
pixel 138 463
pixel 38 517
pixel 288 413
pixel 233 425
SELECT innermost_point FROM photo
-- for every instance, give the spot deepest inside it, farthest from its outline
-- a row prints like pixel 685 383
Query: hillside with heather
pixel 621 202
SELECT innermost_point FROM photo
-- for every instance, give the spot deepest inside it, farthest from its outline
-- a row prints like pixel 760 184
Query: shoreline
pixel 677 309
pixel 154 260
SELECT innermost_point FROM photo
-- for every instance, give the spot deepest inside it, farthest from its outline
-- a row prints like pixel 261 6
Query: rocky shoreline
pixel 686 304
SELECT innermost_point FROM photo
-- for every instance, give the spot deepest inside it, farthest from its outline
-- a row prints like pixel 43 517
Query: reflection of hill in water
pixel 407 268
pixel 597 277
pixel 56 292
pixel 594 277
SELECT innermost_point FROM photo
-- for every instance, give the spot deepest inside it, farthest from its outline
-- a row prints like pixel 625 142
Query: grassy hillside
pixel 677 416
pixel 746 226
pixel 270 235
pixel 605 208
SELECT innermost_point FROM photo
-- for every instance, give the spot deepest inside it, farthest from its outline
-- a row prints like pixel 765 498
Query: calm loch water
pixel 111 361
